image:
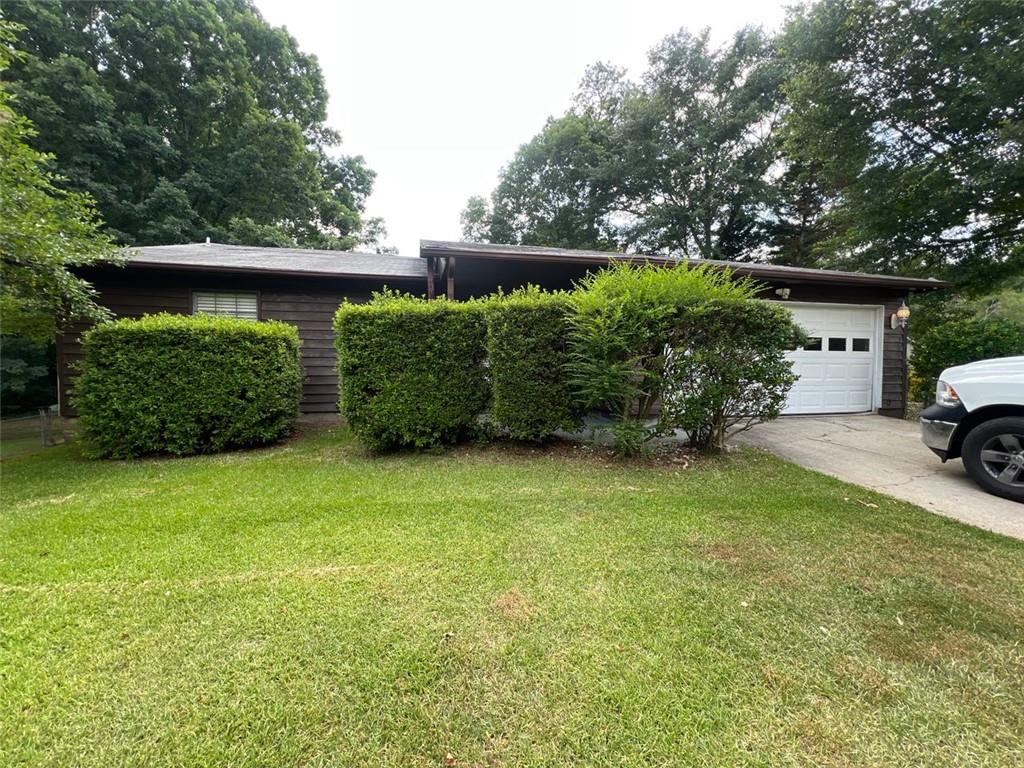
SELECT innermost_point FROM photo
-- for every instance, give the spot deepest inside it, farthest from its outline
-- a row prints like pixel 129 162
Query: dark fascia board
pixel 206 268
pixel 768 272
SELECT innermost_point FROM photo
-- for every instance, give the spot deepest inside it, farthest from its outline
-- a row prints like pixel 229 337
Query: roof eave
pixel 437 248
pixel 180 267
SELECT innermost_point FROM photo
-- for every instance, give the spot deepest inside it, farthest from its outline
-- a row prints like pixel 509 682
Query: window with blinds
pixel 243 304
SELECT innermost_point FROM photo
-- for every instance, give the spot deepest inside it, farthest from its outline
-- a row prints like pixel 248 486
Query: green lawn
pixel 308 605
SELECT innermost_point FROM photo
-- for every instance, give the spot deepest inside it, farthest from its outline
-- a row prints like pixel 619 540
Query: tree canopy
pixel 185 119
pixel 879 135
pixel 45 231
pixel 675 163
pixel 913 112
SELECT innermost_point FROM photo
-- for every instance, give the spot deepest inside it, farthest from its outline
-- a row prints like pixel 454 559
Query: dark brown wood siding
pixel 307 303
pixel 313 314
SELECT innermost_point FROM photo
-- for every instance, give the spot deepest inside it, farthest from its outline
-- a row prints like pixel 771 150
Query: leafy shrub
pixel 527 355
pixel 960 341
pixel 626 320
pixel 411 371
pixel 727 370
pixel 187 384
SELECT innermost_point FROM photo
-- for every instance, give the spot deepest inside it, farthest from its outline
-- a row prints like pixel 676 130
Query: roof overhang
pixel 768 272
pixel 264 261
pixel 134 264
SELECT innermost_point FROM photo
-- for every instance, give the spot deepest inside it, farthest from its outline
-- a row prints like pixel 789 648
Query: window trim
pixel 254 292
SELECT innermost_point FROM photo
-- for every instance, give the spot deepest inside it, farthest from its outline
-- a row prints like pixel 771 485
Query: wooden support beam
pixel 451 277
pixel 431 292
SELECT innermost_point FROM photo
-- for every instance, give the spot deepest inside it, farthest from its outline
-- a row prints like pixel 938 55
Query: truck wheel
pixel 993 454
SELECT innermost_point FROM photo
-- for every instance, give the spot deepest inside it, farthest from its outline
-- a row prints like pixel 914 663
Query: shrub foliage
pixel 960 341
pixel 411 371
pixel 527 355
pixel 655 349
pixel 187 384
pixel 645 342
pixel 727 369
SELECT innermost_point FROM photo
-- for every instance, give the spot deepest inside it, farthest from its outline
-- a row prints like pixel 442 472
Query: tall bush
pixel 626 320
pixel 186 384
pixel 411 371
pixel 959 341
pixel 727 369
pixel 527 356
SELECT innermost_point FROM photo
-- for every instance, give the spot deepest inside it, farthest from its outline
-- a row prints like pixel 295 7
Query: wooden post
pixel 431 293
pixel 451 277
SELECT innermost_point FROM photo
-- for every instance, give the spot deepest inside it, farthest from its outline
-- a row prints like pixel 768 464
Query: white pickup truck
pixel 979 416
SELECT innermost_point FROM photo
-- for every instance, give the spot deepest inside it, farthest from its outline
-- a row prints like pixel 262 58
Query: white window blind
pixel 242 304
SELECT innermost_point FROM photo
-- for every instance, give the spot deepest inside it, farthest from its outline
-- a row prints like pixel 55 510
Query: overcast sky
pixel 437 96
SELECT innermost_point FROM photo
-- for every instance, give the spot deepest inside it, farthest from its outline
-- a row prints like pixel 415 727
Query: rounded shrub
pixel 960 341
pixel 411 372
pixel 727 369
pixel 627 321
pixel 182 384
pixel 527 354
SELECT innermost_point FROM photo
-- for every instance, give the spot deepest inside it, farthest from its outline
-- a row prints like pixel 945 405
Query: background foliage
pixel 411 372
pixel 28 375
pixel 960 341
pixel 185 119
pixel 874 135
pixel 45 231
pixel 186 384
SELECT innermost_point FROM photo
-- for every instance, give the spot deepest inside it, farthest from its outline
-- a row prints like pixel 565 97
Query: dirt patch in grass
pixel 514 605
pixel 746 554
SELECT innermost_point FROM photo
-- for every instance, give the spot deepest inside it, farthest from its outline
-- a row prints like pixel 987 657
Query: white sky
pixel 439 95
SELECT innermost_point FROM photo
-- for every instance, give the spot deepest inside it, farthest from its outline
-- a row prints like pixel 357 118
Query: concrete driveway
pixel 886 455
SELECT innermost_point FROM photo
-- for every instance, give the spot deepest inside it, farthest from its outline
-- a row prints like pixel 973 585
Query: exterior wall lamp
pixel 782 293
pixel 899 318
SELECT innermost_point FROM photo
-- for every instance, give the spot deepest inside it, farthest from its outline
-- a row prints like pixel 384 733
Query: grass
pixel 19 436
pixel 308 605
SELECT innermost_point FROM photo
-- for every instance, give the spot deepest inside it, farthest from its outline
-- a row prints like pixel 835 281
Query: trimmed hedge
pixel 411 372
pixel 183 384
pixel 956 342
pixel 527 337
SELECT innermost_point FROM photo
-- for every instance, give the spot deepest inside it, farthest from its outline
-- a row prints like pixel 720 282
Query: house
pixel 856 360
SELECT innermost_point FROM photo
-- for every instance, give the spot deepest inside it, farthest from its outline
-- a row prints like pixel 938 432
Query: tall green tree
pixel 677 163
pixel 911 109
pixel 698 146
pixel 45 231
pixel 186 119
pixel 798 224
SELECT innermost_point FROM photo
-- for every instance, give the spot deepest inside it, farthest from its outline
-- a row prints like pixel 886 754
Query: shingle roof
pixel 292 261
pixel 762 271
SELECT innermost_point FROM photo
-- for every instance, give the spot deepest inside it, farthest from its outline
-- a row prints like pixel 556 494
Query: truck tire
pixel 993 454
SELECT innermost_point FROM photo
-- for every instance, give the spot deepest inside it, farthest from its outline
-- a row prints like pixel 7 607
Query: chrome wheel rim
pixel 1002 456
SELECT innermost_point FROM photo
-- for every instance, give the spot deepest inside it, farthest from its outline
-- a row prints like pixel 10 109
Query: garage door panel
pixel 836 376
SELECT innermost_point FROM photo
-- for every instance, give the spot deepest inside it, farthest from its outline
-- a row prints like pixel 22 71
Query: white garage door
pixel 837 367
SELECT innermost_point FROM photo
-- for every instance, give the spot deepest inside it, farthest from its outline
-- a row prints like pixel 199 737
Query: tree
pixel 475 220
pixel 45 231
pixel 698 146
pixel 678 163
pixel 798 225
pixel 185 119
pixel 911 111
pixel 554 192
